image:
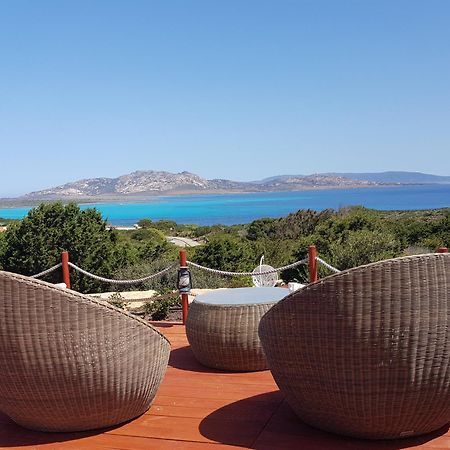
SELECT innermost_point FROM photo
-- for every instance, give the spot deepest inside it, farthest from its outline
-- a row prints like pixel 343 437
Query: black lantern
pixel 184 282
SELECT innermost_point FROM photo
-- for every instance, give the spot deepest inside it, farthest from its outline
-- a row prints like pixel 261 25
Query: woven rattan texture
pixel 69 362
pixel 366 352
pixel 226 337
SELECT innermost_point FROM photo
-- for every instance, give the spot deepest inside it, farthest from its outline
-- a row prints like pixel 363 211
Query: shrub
pixel 226 252
pixel 363 247
pixel 2 248
pixel 142 269
pixel 36 243
pixel 159 307
pixel 145 223
pixel 117 300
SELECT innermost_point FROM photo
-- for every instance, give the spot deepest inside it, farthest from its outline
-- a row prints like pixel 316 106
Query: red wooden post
pixel 442 250
pixel 65 268
pixel 312 263
pixel 184 296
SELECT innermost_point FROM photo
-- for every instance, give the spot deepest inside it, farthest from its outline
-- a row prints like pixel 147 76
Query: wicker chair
pixel 366 352
pixel 69 362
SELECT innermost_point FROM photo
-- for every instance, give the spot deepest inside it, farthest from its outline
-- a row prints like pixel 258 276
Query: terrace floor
pixel 201 409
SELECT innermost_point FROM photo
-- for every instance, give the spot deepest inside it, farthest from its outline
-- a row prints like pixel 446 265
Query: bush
pixel 207 280
pixel 159 307
pixel 145 223
pixel 226 252
pixel 36 243
pixel 2 249
pixel 363 247
pixel 167 281
pixel 117 300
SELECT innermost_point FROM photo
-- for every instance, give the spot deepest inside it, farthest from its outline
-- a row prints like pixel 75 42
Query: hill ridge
pixel 152 182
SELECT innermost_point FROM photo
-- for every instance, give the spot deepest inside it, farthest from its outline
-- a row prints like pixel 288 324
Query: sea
pixel 230 209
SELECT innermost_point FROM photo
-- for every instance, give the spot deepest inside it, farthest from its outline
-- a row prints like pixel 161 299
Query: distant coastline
pixel 238 208
pixel 148 185
pixel 136 198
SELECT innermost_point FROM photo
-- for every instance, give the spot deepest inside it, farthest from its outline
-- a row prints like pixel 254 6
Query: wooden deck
pixel 201 409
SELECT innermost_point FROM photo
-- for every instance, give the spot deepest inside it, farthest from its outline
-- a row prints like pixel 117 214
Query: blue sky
pixel 225 89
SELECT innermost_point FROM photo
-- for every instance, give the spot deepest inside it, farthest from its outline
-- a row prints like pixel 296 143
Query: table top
pixel 243 296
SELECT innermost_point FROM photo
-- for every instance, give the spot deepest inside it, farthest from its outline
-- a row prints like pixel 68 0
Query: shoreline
pixel 243 208
pixel 18 202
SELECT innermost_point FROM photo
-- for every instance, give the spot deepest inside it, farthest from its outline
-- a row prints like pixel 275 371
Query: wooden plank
pixel 216 403
pixel 209 392
pixel 243 433
pixel 262 414
pixel 110 442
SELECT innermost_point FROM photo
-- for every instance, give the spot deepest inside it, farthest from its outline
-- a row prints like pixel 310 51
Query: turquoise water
pixel 229 209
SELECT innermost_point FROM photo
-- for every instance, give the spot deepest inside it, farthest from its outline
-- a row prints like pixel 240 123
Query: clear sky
pixel 237 89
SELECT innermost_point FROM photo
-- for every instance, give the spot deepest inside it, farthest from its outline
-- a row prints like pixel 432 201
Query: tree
pixel 293 226
pixel 261 228
pixel 36 243
pixel 155 246
pixel 363 247
pixel 145 223
pixel 2 248
pixel 226 252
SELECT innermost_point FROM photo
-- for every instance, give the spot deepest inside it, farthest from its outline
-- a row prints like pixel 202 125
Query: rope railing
pixel 125 282
pixel 328 266
pixel 46 272
pixel 247 274
pixel 184 282
pixel 191 263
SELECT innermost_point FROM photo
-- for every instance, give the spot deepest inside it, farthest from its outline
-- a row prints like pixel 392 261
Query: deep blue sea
pixel 229 209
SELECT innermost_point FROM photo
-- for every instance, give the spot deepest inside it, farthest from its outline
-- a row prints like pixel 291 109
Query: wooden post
pixel 184 297
pixel 442 250
pixel 65 268
pixel 312 263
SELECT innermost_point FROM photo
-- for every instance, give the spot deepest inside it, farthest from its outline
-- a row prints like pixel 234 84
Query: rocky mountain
pixel 145 183
pixel 395 177
pixel 287 182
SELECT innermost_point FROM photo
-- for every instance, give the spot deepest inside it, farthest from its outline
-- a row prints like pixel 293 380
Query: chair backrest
pixel 261 279
pixel 64 351
pixel 372 343
pixel 386 292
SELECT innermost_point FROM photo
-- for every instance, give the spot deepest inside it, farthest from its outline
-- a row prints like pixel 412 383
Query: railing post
pixel 312 263
pixel 184 296
pixel 442 250
pixel 65 268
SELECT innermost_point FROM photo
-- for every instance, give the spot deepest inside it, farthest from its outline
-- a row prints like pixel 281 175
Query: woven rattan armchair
pixel 366 352
pixel 69 362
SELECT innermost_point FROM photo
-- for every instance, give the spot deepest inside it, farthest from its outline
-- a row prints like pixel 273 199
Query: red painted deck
pixel 202 409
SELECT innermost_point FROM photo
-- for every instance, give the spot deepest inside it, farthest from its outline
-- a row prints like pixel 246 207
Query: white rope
pixel 111 281
pixel 45 272
pixel 247 274
pixel 328 266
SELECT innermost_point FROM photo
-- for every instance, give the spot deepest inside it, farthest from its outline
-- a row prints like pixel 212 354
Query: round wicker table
pixel 222 327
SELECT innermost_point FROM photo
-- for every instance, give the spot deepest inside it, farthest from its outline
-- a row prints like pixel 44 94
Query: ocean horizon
pixel 231 209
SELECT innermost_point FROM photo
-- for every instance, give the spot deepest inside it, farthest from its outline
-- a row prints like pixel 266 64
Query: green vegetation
pixel 158 308
pixel 35 244
pixel 168 227
pixel 344 238
pixel 4 222
pixel 117 300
